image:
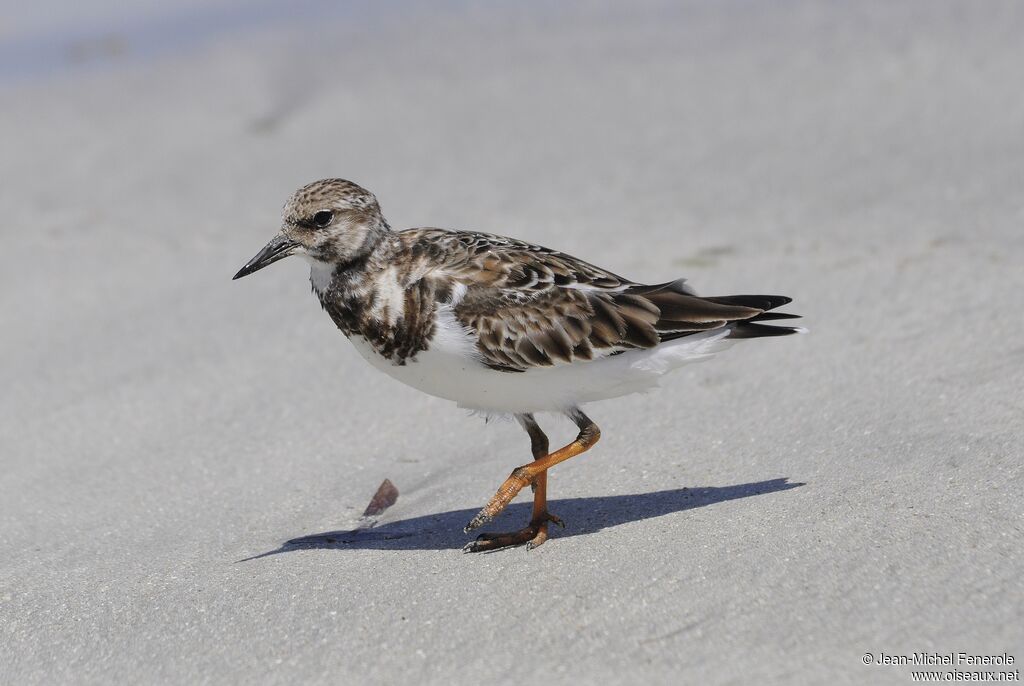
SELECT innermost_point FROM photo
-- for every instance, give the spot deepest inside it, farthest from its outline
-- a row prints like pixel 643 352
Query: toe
pixel 556 520
pixel 539 539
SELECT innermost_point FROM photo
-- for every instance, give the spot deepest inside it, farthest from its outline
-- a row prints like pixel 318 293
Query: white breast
pixel 450 368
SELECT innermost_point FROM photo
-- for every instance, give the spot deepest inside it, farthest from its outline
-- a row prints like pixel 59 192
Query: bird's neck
pixel 358 294
pixel 333 278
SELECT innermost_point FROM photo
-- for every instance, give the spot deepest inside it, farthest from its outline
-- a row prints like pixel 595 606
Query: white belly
pixel 450 369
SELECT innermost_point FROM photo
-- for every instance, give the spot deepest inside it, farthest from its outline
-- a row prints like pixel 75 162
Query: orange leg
pixel 535 474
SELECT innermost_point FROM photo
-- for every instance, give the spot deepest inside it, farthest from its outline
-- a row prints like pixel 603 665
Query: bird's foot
pixel 533 535
pixel 517 480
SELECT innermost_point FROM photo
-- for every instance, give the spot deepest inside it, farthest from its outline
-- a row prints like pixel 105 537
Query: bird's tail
pixel 754 327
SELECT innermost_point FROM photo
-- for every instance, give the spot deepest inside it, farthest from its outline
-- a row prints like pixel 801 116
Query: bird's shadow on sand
pixel 443 531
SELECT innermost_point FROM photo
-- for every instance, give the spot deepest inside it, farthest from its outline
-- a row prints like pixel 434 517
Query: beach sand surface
pixel 770 516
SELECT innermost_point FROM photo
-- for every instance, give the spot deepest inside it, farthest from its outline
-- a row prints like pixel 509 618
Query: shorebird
pixel 501 326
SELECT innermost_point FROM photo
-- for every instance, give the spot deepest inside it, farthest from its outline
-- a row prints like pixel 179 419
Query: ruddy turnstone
pixel 499 325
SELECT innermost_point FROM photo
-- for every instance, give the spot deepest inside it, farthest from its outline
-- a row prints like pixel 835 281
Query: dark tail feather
pixel 748 330
pixel 758 302
pixel 752 328
pixel 682 313
pixel 766 316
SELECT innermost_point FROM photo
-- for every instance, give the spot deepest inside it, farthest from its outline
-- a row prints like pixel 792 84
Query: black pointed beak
pixel 277 249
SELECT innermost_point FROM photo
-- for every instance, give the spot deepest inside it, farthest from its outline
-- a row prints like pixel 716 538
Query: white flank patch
pixel 451 369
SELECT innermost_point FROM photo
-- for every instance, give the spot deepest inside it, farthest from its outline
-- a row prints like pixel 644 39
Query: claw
pixel 538 539
pixel 556 520
pixel 477 544
pixel 477 522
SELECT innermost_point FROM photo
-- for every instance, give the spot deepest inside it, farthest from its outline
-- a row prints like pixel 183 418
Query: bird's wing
pixel 530 306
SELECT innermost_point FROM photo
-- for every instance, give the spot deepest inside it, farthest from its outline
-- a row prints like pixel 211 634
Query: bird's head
pixel 332 220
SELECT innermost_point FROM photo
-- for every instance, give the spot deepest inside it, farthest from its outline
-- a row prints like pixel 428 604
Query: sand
pixel 767 517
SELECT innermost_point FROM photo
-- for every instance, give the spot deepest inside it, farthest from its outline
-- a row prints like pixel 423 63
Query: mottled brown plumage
pixel 528 306
pixel 495 323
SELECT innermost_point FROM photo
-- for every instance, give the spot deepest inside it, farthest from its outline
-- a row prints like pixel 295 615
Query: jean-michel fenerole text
pixel 960 659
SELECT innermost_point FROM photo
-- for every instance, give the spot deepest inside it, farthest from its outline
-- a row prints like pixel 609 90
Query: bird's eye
pixel 323 218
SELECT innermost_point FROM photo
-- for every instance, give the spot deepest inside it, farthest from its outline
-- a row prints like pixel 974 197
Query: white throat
pixel 320 274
